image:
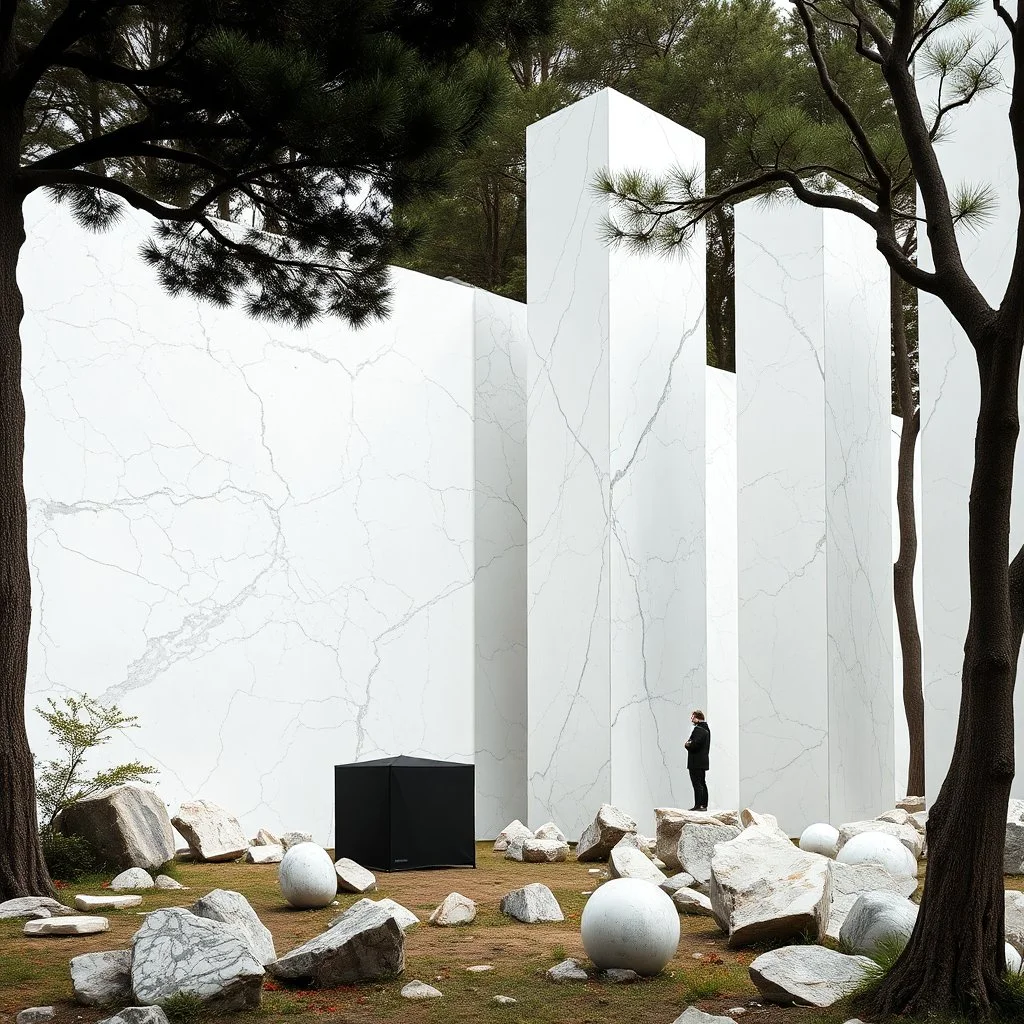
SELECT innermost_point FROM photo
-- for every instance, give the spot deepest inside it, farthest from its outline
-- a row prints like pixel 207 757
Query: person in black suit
pixel 698 746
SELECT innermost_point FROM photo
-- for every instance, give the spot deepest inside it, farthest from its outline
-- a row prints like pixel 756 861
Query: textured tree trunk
pixel 903 570
pixel 954 960
pixel 22 869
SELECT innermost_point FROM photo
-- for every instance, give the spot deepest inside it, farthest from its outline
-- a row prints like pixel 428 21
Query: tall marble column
pixel 814 518
pixel 950 396
pixel 615 477
pixel 499 589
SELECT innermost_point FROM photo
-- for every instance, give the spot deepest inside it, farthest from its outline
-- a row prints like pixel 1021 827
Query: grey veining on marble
pixel 814 516
pixel 264 541
pixel 615 495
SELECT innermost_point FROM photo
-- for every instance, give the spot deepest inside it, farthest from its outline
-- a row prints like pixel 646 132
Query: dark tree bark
pixel 22 868
pixel 903 569
pixel 955 956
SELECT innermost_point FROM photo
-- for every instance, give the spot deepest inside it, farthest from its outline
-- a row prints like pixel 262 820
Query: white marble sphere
pixel 820 838
pixel 879 848
pixel 1014 964
pixel 632 924
pixel 307 876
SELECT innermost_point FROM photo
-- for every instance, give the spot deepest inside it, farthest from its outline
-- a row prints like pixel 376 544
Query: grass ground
pixel 34 972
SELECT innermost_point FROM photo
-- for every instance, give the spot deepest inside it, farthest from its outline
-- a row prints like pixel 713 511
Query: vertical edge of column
pixel 858 509
pixel 722 593
pixel 657 360
pixel 567 467
pixel 783 692
pixel 499 598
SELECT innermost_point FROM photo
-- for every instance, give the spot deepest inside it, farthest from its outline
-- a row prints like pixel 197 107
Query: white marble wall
pixel 615 394
pixel 261 541
pixel 949 403
pixel 500 587
pixel 722 594
pixel 814 516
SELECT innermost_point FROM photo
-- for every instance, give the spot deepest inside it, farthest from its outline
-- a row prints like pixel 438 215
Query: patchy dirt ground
pixel 34 972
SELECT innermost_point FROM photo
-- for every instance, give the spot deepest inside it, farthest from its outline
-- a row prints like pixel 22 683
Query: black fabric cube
pixel 403 813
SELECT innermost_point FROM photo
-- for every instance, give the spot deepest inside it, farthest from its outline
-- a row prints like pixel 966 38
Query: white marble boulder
pixel 692 902
pixel 127 826
pixel 544 851
pixel 697 846
pixel 692 1015
pixel 353 877
pixel 851 880
pixel 33 908
pixel 608 827
pixel 904 832
pixel 533 904
pixel 92 904
pixel 166 882
pixel 174 952
pixel 911 804
pixel 669 822
pixel 138 1015
pixel 454 909
pixel 549 830
pixel 268 854
pixel 513 830
pixel 233 909
pixel 212 833
pixel 265 838
pixel 1013 848
pixel 808 975
pixel 102 979
pixel 680 880
pixel 132 878
pixel 749 817
pixel 290 839
pixel 567 970
pixel 1013 926
pixel 76 925
pixel 820 837
pixel 404 917
pixel 877 918
pixel 629 860
pixel 765 889
pixel 419 990
pixel 35 1015
pixel 367 945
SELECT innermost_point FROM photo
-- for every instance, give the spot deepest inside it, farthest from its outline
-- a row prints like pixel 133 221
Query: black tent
pixel 402 813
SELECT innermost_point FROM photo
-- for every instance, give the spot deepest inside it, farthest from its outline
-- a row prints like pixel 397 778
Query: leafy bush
pixel 80 725
pixel 68 858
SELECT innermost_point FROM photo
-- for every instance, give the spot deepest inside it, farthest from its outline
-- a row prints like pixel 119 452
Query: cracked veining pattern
pixel 814 574
pixel 257 539
pixel 500 590
pixel 616 539
pixel 949 404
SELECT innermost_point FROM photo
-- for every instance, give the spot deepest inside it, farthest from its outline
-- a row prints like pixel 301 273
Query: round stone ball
pixel 880 848
pixel 1014 964
pixel 632 924
pixel 820 838
pixel 307 876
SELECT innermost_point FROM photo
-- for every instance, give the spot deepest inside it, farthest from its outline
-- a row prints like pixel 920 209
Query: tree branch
pixel 844 110
pixel 64 30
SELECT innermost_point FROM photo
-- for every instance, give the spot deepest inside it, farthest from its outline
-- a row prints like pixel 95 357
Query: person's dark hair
pixel 699 715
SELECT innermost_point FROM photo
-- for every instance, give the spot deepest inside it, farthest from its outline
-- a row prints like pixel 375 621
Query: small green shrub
pixel 184 1008
pixel 68 858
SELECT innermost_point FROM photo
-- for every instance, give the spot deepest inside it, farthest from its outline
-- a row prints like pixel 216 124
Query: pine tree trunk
pixel 954 961
pixel 903 569
pixel 22 869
